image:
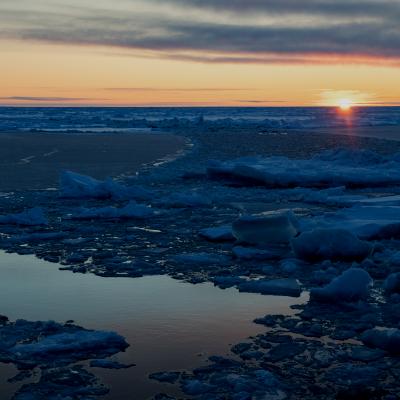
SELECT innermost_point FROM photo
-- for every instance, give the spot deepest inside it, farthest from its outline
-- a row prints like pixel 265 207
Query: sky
pixel 199 52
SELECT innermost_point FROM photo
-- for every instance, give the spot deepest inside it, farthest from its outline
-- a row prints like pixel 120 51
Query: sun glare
pixel 345 104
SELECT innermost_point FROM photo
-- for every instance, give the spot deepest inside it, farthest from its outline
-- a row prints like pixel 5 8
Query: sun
pixel 345 104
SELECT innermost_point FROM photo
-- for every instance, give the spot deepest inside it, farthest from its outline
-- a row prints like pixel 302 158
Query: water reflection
pixel 169 324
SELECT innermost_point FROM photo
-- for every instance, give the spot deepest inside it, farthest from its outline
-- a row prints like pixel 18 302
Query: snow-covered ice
pixel 352 285
pixel 279 287
pixel 31 217
pixel 131 210
pixel 268 229
pixel 78 345
pixel 77 186
pixel 330 244
pixel 385 339
pixel 330 168
pixel 253 253
pixel 365 221
pixel 183 200
pixel 392 283
pixel 218 234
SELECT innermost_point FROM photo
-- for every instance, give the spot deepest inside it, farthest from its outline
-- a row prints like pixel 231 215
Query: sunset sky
pixel 199 52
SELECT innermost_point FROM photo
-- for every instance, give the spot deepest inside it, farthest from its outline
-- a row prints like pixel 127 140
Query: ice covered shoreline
pixel 175 239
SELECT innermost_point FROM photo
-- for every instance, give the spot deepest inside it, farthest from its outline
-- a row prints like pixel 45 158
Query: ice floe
pixel 185 200
pixel 331 168
pixel 31 217
pixel 385 339
pixel 330 244
pixel 218 234
pixel 365 221
pixel 352 285
pixel 131 210
pixel 280 287
pixel 73 185
pixel 266 229
pixel 392 283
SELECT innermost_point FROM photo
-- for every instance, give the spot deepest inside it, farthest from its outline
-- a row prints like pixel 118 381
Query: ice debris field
pixel 327 223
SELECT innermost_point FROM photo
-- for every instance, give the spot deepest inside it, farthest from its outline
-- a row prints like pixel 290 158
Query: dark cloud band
pixel 365 30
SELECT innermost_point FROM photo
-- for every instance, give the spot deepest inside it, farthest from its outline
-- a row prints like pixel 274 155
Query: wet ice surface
pixel 169 324
pixel 318 354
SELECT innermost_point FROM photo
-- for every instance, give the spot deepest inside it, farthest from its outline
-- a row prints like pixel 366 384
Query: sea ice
pixel 366 221
pixel 72 345
pixel 109 364
pixel 392 283
pixel 352 285
pixel 334 196
pixel 278 227
pixel 252 253
pixel 330 168
pixel 73 185
pixel 195 387
pixel 37 237
pixel 201 258
pixel 385 339
pixel 31 217
pixel 330 244
pixel 168 376
pixel 218 234
pixel 186 200
pixel 131 210
pixel 279 287
pixel 62 383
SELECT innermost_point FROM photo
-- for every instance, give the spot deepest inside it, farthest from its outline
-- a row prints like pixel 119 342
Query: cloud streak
pixel 184 90
pixel 46 99
pixel 287 31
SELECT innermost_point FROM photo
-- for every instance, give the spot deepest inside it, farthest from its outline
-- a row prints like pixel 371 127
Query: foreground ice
pixel 31 217
pixel 63 383
pixel 228 379
pixel 337 226
pixel 330 168
pixel 76 345
pixel 73 185
pixel 55 348
pixel 50 343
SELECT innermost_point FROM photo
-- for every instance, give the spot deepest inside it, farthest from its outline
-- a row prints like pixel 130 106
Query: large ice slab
pixel 131 210
pixel 330 244
pixel 218 234
pixel 266 229
pixel 33 216
pixel 279 287
pixel 330 168
pixel 73 185
pixel 365 221
pixel 385 339
pixel 185 200
pixel 352 285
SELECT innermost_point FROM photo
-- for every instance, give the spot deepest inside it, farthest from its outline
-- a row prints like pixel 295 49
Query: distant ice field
pixel 130 120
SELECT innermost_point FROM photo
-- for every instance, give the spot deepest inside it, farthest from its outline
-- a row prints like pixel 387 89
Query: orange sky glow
pixel 48 69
